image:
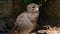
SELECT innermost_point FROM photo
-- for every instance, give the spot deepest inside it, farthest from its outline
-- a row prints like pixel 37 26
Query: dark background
pixel 10 9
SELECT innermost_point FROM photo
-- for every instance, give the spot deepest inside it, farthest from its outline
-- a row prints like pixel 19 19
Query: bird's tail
pixel 13 30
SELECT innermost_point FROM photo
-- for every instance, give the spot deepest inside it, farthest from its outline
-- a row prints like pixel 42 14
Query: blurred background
pixel 49 13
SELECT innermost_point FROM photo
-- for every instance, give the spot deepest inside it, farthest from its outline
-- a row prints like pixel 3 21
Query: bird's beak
pixel 36 9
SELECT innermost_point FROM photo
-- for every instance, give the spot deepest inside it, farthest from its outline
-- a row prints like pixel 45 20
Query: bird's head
pixel 33 7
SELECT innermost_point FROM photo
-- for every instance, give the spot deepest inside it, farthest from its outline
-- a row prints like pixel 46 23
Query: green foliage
pixel 26 2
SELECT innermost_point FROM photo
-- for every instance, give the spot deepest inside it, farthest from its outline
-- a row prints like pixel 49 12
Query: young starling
pixel 27 20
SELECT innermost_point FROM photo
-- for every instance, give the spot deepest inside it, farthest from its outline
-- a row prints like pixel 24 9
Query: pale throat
pixel 33 12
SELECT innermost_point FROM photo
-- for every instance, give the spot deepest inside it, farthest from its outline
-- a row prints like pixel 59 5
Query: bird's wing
pixel 22 17
pixel 18 20
pixel 22 20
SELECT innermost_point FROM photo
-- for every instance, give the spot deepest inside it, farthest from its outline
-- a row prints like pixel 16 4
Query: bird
pixel 27 20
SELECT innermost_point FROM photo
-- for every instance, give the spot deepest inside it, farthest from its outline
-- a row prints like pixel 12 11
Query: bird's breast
pixel 33 17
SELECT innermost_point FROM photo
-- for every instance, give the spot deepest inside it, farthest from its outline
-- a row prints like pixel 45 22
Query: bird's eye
pixel 33 6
